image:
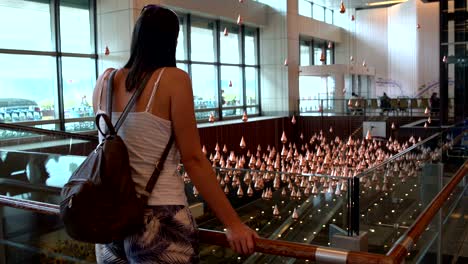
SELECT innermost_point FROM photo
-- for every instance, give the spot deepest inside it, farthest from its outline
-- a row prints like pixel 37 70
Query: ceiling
pixel 335 4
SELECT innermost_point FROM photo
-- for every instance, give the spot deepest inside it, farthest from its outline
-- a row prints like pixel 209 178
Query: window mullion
pixel 258 73
pixel 93 12
pixel 244 82
pixel 189 44
pixel 312 52
pixel 218 66
pixel 55 11
pixel 324 13
pixel 311 10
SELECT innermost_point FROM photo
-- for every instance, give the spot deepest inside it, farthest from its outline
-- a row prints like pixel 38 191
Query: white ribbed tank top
pixel 146 136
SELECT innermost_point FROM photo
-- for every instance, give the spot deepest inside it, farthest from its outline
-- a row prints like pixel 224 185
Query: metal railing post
pixel 355 207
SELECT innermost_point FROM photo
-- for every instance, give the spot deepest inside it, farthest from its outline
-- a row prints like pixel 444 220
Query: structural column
pixel 443 91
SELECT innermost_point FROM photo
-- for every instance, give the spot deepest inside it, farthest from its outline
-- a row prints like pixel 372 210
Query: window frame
pixel 315 43
pixel 311 15
pixel 55 27
pixel 323 10
pixel 218 111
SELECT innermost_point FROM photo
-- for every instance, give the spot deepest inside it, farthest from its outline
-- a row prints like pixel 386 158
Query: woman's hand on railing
pixel 241 238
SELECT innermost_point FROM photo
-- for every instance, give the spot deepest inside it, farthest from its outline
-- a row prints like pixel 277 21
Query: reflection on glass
pixel 231 86
pixel 75 27
pixel 251 46
pixel 10 134
pixel 181 46
pixel 80 126
pixel 205 86
pixel 233 112
pixel 29 88
pixel 204 115
pixel 25 25
pixel 305 54
pixel 252 110
pixel 202 40
pixel 55 126
pixel 78 78
pixel 305 8
pixel 318 13
pixel 229 43
pixel 251 86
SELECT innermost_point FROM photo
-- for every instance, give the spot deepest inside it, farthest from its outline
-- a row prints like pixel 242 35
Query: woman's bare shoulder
pixel 176 73
pixel 177 79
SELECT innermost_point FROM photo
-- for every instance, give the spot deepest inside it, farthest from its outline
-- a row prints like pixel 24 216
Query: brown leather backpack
pixel 100 204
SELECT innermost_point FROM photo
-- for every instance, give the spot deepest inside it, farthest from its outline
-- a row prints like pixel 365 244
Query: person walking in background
pixel 385 103
pixel 165 107
pixel 435 104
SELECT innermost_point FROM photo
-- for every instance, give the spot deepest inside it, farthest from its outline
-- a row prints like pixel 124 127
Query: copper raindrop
pixel 283 138
pixel 211 119
pixel 342 7
pixel 245 117
pixel 239 20
pixel 242 143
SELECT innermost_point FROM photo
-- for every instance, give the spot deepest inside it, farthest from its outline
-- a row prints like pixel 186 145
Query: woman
pixel 165 107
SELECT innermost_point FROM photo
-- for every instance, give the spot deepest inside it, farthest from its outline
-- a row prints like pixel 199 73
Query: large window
pixel 48 68
pixel 309 9
pixel 318 13
pixel 305 50
pixel 305 8
pixel 316 92
pixel 222 59
pixel 313 51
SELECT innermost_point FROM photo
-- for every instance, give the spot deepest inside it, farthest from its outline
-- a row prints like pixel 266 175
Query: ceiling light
pixel 386 2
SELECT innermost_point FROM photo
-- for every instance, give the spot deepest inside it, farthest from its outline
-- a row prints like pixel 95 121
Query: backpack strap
pixel 108 119
pixel 110 88
pixel 159 167
pixel 108 115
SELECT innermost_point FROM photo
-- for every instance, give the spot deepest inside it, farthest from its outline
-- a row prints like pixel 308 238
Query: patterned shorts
pixel 169 237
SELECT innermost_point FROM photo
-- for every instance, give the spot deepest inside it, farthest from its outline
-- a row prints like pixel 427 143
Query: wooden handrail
pixel 262 245
pixel 407 241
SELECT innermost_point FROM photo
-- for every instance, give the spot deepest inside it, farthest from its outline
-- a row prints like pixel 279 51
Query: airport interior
pixel 338 129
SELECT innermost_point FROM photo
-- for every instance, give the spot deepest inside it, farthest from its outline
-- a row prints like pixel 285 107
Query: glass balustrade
pixel 297 194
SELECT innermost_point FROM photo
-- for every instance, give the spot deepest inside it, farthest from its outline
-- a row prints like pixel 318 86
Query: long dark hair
pixel 154 42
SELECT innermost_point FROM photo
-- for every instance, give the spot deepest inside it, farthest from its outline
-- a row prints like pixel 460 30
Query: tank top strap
pixel 155 87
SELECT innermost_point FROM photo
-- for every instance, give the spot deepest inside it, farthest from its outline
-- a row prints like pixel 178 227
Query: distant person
pixel 435 104
pixel 165 108
pixel 385 103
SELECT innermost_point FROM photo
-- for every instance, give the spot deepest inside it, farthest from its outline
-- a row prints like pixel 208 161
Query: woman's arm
pixel 240 237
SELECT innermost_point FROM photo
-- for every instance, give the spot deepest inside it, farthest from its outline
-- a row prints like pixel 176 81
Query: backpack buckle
pixel 99 146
